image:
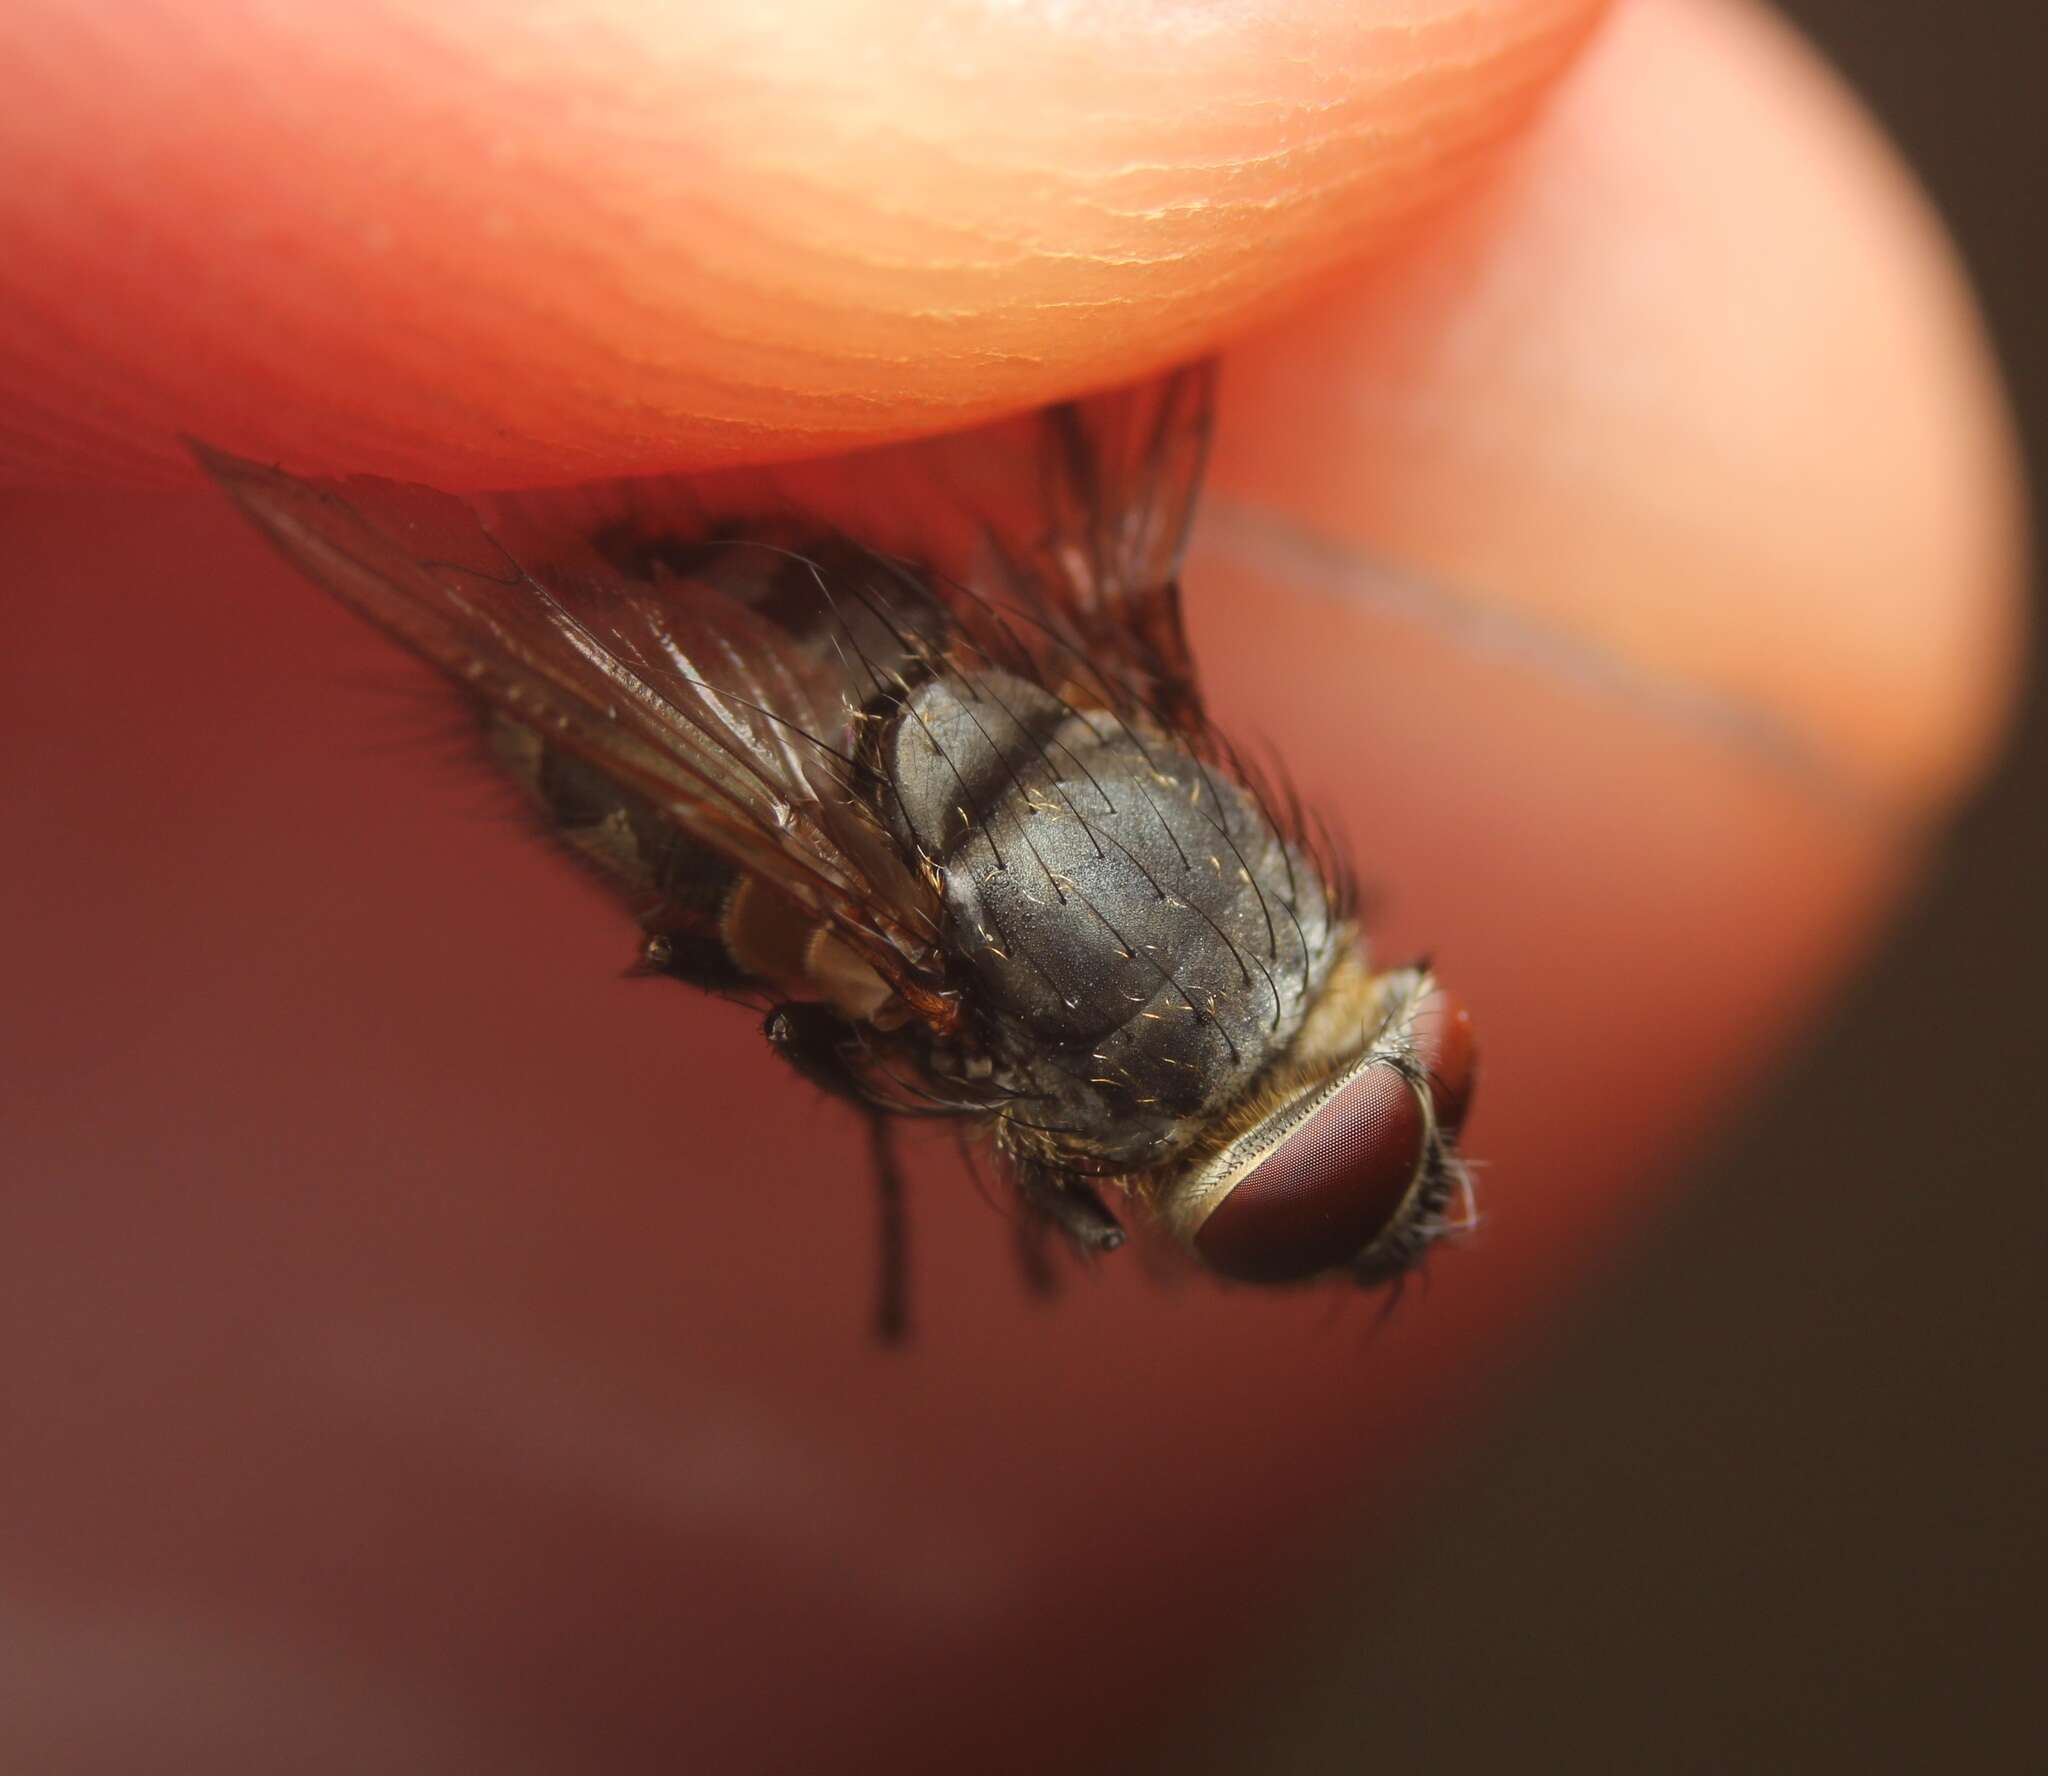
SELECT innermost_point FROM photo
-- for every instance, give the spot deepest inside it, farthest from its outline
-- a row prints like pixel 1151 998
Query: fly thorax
pixel 1139 937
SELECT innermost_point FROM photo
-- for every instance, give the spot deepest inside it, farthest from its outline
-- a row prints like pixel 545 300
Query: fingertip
pixel 1697 390
pixel 1635 568
pixel 543 247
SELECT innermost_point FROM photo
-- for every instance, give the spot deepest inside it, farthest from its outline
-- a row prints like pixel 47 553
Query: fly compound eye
pixel 1330 1186
pixel 1441 1030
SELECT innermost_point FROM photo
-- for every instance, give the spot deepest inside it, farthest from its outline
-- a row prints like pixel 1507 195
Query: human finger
pixel 482 245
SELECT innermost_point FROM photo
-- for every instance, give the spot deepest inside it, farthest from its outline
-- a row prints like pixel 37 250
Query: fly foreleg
pixel 813 1040
pixel 1070 1204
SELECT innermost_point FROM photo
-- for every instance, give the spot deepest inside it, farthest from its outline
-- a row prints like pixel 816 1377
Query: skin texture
pixel 612 238
pixel 425 1349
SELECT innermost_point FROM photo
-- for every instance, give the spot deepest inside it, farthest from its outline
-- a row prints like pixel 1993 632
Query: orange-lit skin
pixel 425 1338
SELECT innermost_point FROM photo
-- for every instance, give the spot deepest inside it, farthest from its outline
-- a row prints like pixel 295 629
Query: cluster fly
pixel 907 750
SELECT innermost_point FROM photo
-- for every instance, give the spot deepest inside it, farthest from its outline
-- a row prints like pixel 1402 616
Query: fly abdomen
pixel 618 832
pixel 677 887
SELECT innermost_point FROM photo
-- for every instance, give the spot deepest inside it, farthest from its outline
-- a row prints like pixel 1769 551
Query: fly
pixel 908 751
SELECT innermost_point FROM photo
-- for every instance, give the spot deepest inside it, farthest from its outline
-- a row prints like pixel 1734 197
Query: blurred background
pixel 1776 1499
pixel 399 1371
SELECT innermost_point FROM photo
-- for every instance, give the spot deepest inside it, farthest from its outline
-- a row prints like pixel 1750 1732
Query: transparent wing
pixel 718 643
pixel 670 683
pixel 1123 474
pixel 1077 517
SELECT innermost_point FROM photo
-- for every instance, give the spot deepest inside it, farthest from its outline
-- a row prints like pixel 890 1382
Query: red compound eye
pixel 1332 1186
pixel 1327 1191
pixel 1443 1049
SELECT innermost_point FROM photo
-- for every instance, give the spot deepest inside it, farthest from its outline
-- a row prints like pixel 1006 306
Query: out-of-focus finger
pixel 1638 564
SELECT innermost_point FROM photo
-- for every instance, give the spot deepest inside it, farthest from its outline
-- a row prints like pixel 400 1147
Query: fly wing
pixel 717 643
pixel 655 668
pixel 1122 472
pixel 1054 539
pixel 1084 511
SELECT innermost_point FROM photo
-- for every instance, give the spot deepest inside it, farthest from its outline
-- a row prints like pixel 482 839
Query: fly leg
pixel 1034 1253
pixel 892 1288
pixel 1062 1201
pixel 813 1040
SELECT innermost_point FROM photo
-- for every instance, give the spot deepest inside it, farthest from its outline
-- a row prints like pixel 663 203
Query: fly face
pixel 1343 1164
pixel 908 751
